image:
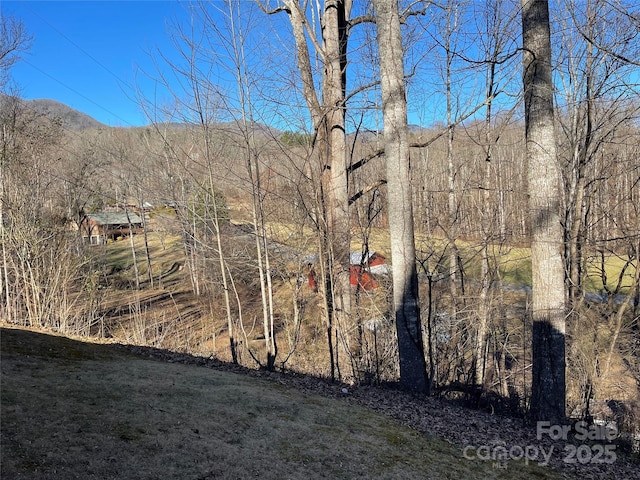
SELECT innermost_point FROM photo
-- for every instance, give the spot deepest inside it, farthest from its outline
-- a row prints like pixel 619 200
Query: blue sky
pixel 90 54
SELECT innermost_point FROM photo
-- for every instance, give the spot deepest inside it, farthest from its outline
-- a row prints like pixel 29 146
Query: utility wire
pixel 120 82
pixel 76 92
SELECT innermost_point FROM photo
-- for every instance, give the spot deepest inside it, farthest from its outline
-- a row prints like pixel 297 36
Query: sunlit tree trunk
pixel 328 118
pixel 543 174
pixel 336 13
pixel 401 229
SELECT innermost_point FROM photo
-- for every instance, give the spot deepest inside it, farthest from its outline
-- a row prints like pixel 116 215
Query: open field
pixel 513 262
pixel 170 315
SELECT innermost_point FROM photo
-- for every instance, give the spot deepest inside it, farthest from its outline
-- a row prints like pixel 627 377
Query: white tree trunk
pixel 405 280
pixel 543 173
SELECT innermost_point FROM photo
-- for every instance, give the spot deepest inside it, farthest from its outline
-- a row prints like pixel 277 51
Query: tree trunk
pixel 328 119
pixel 452 228
pixel 145 234
pixel 334 35
pixel 405 279
pixel 548 374
pixel 133 249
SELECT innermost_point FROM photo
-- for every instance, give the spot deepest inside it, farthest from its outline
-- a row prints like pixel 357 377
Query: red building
pixel 361 270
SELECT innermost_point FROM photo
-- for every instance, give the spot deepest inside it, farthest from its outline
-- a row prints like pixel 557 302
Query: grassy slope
pixel 78 410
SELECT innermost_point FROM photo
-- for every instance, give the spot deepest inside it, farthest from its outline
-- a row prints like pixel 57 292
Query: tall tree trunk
pixel 497 31
pixel 145 234
pixel 334 35
pixel 405 279
pixel 321 145
pixel 485 218
pixel 224 273
pixel 452 227
pixel 548 388
pixel 576 221
pixel 485 277
pixel 246 124
pixel 328 117
pixel 134 257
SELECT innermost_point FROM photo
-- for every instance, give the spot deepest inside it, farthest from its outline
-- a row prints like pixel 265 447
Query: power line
pixel 77 92
pixel 120 82
pixel 53 27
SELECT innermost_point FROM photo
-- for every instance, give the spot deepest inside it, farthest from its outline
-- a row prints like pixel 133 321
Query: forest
pixel 294 141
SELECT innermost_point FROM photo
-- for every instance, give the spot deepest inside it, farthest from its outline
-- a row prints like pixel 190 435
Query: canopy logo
pixel 595 449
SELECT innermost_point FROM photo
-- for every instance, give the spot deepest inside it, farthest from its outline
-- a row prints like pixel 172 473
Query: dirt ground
pixel 71 409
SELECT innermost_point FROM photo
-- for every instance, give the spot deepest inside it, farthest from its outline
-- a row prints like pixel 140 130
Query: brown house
pixel 97 228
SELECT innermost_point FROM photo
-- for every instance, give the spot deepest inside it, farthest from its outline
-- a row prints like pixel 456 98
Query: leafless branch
pixel 367 189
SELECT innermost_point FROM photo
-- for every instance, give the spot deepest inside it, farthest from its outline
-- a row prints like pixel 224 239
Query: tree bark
pixel 548 309
pixel 334 84
pixel 405 279
pixel 328 116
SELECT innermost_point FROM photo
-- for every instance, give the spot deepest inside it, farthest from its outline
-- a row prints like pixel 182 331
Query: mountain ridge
pixel 75 120
pixel 71 118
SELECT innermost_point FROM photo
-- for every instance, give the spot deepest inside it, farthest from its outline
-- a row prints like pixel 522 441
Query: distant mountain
pixel 71 119
pixel 255 127
pixel 230 128
pixel 75 120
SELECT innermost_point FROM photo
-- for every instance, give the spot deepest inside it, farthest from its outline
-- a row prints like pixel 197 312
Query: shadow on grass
pixel 72 409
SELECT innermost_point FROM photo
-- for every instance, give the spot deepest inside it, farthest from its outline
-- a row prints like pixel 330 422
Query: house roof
pixel 355 258
pixel 114 218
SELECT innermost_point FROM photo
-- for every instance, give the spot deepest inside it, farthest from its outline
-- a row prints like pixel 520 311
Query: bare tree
pixel 405 280
pixel 450 29
pixel 328 118
pixel 14 39
pixel 193 170
pixel 543 175
pixel 40 265
pixel 246 122
pixel 595 92
pixel 499 29
pixel 597 101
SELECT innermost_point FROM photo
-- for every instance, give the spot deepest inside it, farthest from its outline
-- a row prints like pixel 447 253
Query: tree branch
pixel 367 189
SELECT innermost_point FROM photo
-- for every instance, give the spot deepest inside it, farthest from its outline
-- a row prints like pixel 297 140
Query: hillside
pixel 73 409
pixel 71 119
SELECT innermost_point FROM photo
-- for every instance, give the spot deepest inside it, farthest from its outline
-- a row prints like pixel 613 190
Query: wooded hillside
pixel 234 203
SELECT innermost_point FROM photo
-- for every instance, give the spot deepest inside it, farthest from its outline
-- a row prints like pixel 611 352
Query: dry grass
pixel 514 263
pixel 78 410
